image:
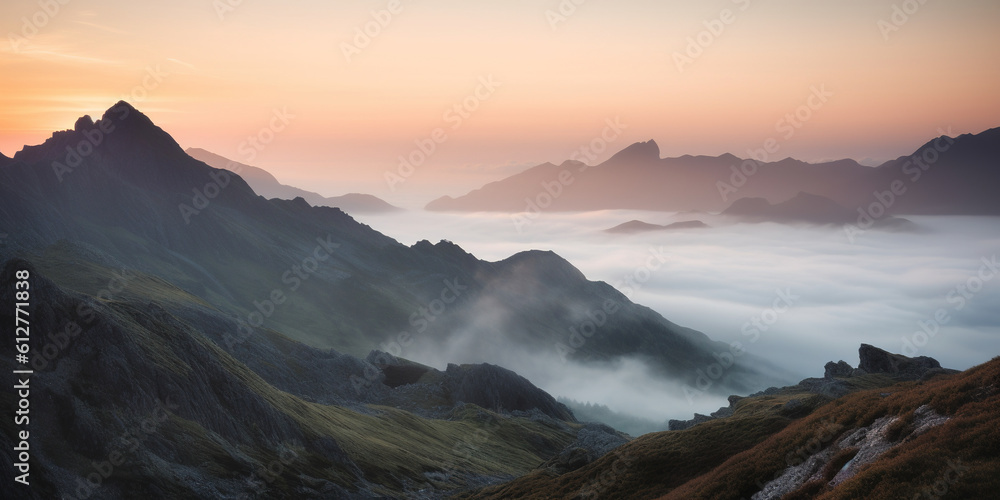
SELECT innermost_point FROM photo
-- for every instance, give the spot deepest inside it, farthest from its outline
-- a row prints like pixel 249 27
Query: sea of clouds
pixel 933 292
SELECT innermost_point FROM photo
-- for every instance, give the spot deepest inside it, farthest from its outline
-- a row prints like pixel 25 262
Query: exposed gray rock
pixel 592 442
pixel 794 477
pixel 829 387
pixel 871 441
pixel 680 425
pixel 875 360
pixel 838 369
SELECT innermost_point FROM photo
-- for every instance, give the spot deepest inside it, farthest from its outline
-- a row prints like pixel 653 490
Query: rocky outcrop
pixel 592 442
pixel 838 369
pixel 722 412
pixel 680 425
pixel 834 384
pixel 875 360
pixel 866 443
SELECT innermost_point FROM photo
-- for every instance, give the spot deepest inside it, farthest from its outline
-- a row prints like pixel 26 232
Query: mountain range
pixel 266 185
pixel 945 176
pixel 638 226
pixel 194 339
pixel 313 273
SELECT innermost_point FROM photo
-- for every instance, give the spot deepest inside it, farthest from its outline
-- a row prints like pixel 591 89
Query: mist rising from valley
pixel 733 282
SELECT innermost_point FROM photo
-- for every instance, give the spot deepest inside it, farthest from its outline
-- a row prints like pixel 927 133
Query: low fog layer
pixel 883 289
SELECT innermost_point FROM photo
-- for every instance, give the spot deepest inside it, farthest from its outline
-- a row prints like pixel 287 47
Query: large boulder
pixel 838 369
pixel 875 360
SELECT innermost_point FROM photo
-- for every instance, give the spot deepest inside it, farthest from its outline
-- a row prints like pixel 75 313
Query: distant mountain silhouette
pixel 945 176
pixel 638 226
pixel 268 186
pixel 804 208
pixel 958 179
pixel 639 152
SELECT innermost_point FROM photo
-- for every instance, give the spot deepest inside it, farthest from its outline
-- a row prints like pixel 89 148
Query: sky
pixel 333 109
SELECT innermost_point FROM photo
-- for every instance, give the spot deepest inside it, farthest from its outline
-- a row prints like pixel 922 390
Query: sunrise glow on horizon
pixel 532 83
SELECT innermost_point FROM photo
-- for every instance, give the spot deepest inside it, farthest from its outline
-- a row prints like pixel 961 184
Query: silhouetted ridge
pixel 640 151
pixel 748 206
pixel 545 265
pixel 962 177
pixel 638 226
pixel 123 143
pixel 268 186
pixel 83 123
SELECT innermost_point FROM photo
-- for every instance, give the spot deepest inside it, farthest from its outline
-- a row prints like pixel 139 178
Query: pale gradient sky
pixel 224 77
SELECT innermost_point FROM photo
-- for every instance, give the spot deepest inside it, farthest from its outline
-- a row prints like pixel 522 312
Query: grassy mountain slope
pixel 187 419
pixel 769 435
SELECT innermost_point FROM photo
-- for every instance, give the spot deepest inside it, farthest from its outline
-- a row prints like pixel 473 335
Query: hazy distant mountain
pixel 638 226
pixel 266 185
pixel 803 208
pixel 956 180
pixel 945 176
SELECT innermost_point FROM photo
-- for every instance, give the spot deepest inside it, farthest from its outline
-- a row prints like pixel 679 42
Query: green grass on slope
pixel 657 463
pixel 654 463
pixel 393 448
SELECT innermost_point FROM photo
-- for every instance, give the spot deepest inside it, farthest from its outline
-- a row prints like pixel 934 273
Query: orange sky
pixel 212 80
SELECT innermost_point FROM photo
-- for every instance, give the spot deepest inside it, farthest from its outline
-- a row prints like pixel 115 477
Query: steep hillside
pixel 901 430
pixel 141 390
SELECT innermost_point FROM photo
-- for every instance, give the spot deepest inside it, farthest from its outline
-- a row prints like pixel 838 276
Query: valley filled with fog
pixel 926 292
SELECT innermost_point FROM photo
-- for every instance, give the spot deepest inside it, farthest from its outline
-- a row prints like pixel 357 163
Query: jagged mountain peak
pixel 83 123
pixel 640 151
pixel 122 129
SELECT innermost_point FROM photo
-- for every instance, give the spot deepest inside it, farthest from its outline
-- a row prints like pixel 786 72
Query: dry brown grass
pixel 734 457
